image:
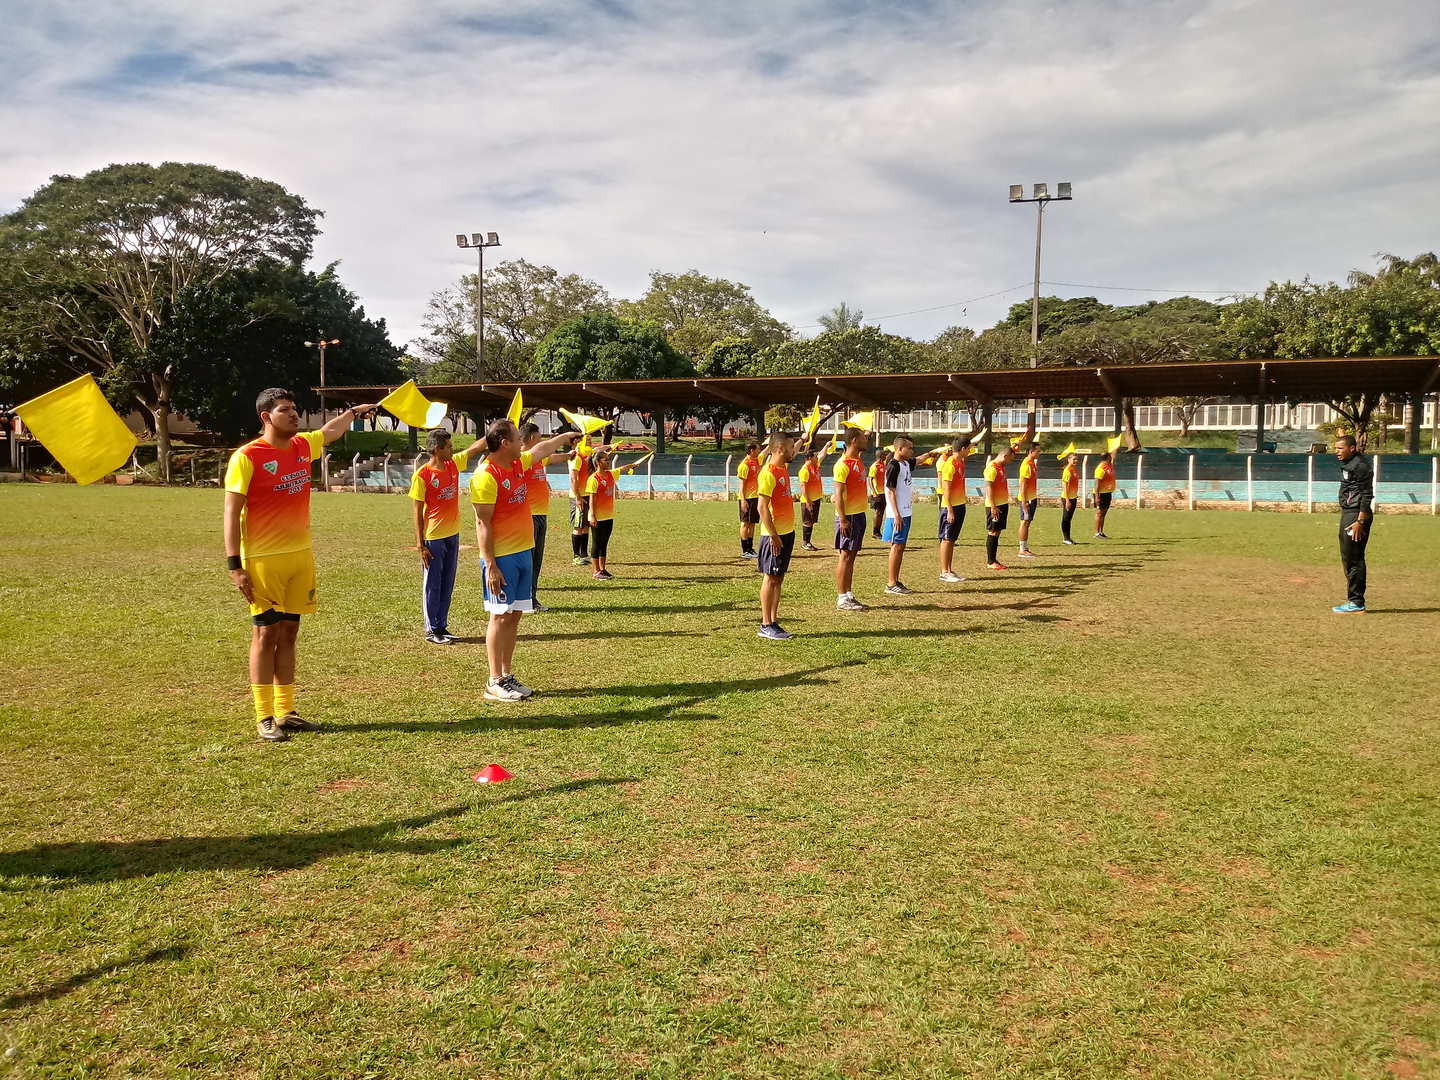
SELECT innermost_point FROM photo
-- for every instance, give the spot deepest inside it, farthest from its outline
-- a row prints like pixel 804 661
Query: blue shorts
pixel 857 533
pixel 1027 510
pixel 519 591
pixel 951 518
pixel 895 532
pixel 775 557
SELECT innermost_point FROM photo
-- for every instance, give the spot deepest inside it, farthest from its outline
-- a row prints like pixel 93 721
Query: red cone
pixel 492 774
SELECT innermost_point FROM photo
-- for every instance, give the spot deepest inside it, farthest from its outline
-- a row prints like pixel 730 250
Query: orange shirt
pixel 812 485
pixel 439 490
pixel 1029 480
pixel 537 489
pixel 849 475
pixel 749 474
pixel 1070 482
pixel 775 484
pixel 876 477
pixel 580 466
pixel 276 486
pixel 601 489
pixel 997 485
pixel 1104 478
pixel 953 470
pixel 505 490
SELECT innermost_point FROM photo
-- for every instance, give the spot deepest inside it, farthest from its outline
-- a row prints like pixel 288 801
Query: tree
pixel 97 264
pixel 523 303
pixel 864 351
pixel 841 318
pixel 696 311
pixel 1056 314
pixel 726 358
pixel 601 346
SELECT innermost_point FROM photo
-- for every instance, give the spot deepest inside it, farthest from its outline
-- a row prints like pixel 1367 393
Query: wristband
pixel 232 562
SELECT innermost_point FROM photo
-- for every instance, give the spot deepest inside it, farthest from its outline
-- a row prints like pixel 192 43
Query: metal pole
pixel 322 378
pixel 1035 308
pixel 480 317
pixel 192 470
pixel 1139 480
pixel 1192 481
pixel 688 494
pixel 1084 474
pixel 324 472
pixel 650 478
pixel 355 474
pixel 1435 485
pixel 1250 482
pixel 1375 502
pixel 385 475
pixel 728 458
pixel 1310 484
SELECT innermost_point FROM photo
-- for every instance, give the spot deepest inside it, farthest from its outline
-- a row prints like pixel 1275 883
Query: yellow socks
pixel 284 699
pixel 264 700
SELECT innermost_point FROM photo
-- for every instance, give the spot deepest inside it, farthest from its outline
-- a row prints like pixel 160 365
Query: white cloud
pixel 817 151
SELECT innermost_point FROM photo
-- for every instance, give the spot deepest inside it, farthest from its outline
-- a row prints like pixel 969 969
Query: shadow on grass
pixel 586 636
pixel 1404 611
pixel 104 860
pixel 516 717
pixel 80 978
pixel 704 691
pixel 656 609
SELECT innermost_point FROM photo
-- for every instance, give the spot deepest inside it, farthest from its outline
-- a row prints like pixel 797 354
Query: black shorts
pixel 580 513
pixel 750 511
pixel 997 517
pixel 1027 510
pixel 951 518
pixel 810 513
pixel 1102 500
pixel 271 617
pixel 877 502
pixel 774 562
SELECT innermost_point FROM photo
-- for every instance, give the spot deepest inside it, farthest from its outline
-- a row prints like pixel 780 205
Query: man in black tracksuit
pixel 1357 496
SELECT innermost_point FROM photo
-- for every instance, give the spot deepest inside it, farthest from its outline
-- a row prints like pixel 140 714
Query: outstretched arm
pixel 340 423
pixel 549 446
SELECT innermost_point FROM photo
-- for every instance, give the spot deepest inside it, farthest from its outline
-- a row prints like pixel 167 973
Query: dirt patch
pixel 341 785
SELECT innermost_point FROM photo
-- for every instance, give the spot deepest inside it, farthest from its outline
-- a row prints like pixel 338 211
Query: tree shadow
pixel 92 861
pixel 80 978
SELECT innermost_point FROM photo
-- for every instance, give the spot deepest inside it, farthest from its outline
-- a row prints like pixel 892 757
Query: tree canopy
pixel 601 345
pixel 696 311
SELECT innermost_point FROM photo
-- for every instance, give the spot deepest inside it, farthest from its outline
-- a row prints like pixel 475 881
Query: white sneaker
pixel 950 578
pixel 499 690
pixel 515 684
pixel 1027 554
pixel 849 603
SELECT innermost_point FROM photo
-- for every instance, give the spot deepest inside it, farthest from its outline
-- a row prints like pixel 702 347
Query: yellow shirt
pixel 1029 480
pixel 953 470
pixel 749 474
pixel 276 485
pixel 775 485
pixel 439 490
pixel 505 489
pixel 1104 478
pixel 997 485
pixel 850 478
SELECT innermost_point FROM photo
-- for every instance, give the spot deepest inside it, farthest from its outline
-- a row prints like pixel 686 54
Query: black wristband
pixel 232 562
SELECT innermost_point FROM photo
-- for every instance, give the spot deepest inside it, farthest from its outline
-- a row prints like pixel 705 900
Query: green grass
pixel 1139 809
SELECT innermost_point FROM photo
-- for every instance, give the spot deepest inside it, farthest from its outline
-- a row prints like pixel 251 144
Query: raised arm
pixel 339 423
pixel 549 446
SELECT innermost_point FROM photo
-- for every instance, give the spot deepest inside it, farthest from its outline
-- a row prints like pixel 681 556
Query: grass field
pixel 1139 809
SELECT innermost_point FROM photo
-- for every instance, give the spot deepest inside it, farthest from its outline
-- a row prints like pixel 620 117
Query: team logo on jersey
pixel 271 467
pixel 435 481
pixel 505 484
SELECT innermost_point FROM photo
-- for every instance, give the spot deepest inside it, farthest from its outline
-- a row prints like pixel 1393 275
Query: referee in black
pixel 1357 497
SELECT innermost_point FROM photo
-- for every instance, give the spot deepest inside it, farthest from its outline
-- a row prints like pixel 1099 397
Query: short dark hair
pixel 959 444
pixel 268 399
pixel 752 446
pixel 1348 440
pixel 499 432
pixel 856 433
pixel 527 429
pixel 437 438
pixel 1105 456
pixel 905 437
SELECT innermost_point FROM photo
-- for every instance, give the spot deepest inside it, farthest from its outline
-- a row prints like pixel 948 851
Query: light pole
pixel 1040 198
pixel 322 343
pixel 479 241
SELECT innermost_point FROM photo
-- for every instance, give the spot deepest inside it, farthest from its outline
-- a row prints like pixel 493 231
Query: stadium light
pixel 479 241
pixel 1040 198
pixel 321 345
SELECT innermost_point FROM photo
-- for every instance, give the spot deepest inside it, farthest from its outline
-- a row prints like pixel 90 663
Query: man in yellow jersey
pixel 997 505
pixel 952 506
pixel 748 472
pixel 1069 495
pixel 1104 492
pixel 507 538
pixel 849 499
pixel 1029 496
pixel 777 524
pixel 579 508
pixel 435 491
pixel 537 491
pixel 875 488
pixel 267 548
pixel 812 491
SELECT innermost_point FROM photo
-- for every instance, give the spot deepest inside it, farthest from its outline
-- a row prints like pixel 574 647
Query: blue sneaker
pixel 773 632
pixel 1349 608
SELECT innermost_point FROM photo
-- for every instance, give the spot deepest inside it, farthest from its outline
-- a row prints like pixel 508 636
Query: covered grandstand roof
pixel 1306 380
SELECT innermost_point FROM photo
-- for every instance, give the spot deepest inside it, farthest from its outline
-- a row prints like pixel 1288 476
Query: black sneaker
pixel 294 722
pixel 270 731
pixel 450 638
pixel 749 555
pixel 898 589
pixel 434 637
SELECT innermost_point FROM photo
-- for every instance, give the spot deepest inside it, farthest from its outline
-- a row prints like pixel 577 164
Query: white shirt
pixel 904 489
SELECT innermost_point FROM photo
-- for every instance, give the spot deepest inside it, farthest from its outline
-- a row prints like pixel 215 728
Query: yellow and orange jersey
pixel 1070 482
pixel 952 469
pixel 997 485
pixel 875 477
pixel 849 476
pixel 812 484
pixel 439 490
pixel 775 483
pixel 601 489
pixel 505 490
pixel 276 486
pixel 537 488
pixel 1104 478
pixel 1029 479
pixel 580 468
pixel 749 474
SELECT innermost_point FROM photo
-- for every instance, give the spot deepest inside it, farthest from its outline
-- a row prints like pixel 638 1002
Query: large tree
pixel 696 311
pixel 97 264
pixel 601 346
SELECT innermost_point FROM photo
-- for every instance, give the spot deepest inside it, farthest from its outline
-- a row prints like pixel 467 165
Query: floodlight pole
pixel 322 343
pixel 1040 198
pixel 479 241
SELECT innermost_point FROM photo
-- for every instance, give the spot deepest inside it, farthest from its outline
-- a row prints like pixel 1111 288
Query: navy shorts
pixel 997 517
pixel 857 533
pixel 776 562
pixel 1102 500
pixel 895 532
pixel 1027 510
pixel 519 591
pixel 951 518
pixel 750 511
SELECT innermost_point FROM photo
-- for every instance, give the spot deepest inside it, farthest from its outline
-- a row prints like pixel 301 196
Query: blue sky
pixel 823 151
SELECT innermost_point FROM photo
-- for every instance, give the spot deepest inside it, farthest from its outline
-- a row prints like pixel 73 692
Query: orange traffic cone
pixel 492 774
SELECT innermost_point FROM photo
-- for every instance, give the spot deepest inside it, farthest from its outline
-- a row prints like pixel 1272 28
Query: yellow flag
pixel 588 424
pixel 812 423
pixel 517 408
pixel 1066 452
pixel 412 408
pixel 76 424
pixel 1114 444
pixel 865 421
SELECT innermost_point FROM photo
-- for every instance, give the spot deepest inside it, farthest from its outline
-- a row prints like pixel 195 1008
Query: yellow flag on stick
pixel 865 421
pixel 1114 444
pixel 1066 452
pixel 587 424
pixel 812 423
pixel 76 424
pixel 412 408
pixel 517 408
